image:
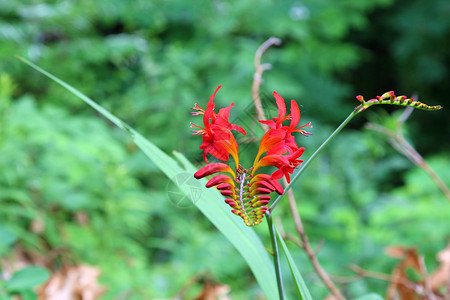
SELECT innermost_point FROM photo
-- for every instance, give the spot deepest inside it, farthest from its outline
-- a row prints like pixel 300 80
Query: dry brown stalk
pixel 257 77
pixel 308 249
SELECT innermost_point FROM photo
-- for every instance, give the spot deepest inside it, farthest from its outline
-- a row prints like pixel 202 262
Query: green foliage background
pixel 149 62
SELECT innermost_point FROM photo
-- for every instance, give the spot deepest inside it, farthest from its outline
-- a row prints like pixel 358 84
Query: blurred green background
pixel 74 185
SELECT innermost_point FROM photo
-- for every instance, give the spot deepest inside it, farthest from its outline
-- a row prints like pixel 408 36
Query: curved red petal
pixel 278 174
pixel 295 114
pixel 238 128
pixel 225 112
pixel 273 160
pixel 211 98
pixel 269 123
pixel 298 152
pixel 281 108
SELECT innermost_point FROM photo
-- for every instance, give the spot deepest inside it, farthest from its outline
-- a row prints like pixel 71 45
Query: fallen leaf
pixel 400 284
pixel 441 276
pixel 214 291
pixel 73 283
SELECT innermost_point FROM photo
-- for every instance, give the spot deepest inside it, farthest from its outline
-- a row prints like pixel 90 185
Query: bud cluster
pixel 390 98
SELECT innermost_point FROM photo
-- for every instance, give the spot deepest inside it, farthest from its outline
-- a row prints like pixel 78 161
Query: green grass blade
pixel 302 289
pixel 210 203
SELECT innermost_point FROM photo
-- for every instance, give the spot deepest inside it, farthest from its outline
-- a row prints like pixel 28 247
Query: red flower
pixel 279 139
pixel 218 140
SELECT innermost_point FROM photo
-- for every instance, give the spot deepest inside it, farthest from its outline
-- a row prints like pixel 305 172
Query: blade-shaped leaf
pixel 244 239
pixel 302 289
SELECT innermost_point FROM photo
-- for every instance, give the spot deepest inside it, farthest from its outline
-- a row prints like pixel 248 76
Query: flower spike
pixel 248 193
pixel 390 98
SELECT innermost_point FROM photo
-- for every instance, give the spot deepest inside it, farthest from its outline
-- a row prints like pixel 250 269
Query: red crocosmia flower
pixel 279 139
pixel 247 192
pixel 218 140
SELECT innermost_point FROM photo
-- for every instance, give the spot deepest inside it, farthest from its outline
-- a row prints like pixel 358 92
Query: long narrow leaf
pixel 244 239
pixel 302 289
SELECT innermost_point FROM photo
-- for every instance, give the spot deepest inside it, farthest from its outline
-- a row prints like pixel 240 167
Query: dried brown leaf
pixel 213 291
pixel 400 285
pixel 73 283
pixel 441 276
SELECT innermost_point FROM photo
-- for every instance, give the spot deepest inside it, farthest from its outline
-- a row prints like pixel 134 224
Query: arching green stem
pixel 306 164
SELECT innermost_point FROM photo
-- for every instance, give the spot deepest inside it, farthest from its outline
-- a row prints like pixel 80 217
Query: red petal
pixel 279 174
pixel 238 128
pixel 273 160
pixel 211 98
pixel 295 114
pixel 269 123
pixel 225 112
pixel 281 108
pixel 296 154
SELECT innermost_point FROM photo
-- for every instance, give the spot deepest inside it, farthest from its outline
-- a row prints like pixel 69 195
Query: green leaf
pixel 302 289
pixel 4 296
pixel 28 295
pixel 208 201
pixel 7 237
pixel 27 278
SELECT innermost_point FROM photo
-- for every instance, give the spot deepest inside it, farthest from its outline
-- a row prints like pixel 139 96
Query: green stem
pixel 276 254
pixel 306 164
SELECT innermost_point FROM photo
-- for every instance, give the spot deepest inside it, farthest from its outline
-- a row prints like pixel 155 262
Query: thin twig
pixel 381 276
pixel 308 249
pixel 313 156
pixel 427 282
pixel 298 222
pixel 399 143
pixel 417 288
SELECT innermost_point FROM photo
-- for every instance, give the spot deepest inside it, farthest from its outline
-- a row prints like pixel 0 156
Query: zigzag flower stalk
pixel 390 98
pixel 248 192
